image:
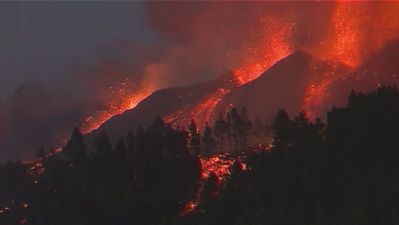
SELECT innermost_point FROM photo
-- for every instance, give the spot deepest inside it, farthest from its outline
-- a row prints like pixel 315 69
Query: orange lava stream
pixel 270 45
pixel 316 94
pixel 201 112
pixel 123 103
pixel 218 164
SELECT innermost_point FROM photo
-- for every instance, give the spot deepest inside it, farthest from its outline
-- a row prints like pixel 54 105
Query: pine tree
pixel 195 139
pixel 120 149
pixel 103 147
pixel 210 191
pixel 41 153
pixel 75 149
pixel 283 128
pixel 131 144
pixel 220 130
pixel 208 140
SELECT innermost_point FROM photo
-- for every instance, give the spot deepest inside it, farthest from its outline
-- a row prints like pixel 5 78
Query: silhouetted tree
pixel 208 142
pixel 41 153
pixel 131 144
pixel 283 128
pixel 195 139
pixel 210 191
pixel 103 147
pixel 120 149
pixel 220 130
pixel 75 149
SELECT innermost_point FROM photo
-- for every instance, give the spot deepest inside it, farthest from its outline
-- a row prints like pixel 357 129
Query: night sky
pixel 41 42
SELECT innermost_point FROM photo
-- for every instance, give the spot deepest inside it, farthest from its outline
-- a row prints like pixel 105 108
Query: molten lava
pixel 219 164
pixel 272 45
pixel 356 31
pixel 125 96
pixel 344 35
pixel 261 50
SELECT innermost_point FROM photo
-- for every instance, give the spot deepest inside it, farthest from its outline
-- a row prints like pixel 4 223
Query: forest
pixel 343 170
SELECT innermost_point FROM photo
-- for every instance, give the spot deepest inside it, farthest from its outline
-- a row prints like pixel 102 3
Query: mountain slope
pixel 284 86
pixel 175 105
pixel 297 82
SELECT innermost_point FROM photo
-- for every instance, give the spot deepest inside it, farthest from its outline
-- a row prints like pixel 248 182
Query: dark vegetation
pixel 343 172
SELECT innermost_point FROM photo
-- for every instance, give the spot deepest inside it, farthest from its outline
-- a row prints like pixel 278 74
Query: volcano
pixel 284 85
pixel 298 82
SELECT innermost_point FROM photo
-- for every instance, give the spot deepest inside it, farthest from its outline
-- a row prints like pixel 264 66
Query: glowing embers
pixel 201 112
pixel 357 30
pixel 15 209
pixel 126 95
pixel 345 34
pixel 271 45
pixel 219 164
pixel 189 208
pixel 317 94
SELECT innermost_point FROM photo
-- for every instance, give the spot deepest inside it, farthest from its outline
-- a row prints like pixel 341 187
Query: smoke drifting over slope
pixel 195 41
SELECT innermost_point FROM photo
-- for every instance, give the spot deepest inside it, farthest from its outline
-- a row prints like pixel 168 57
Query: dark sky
pixel 40 41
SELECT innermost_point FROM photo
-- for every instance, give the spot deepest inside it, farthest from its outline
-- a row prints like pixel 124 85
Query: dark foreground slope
pixel 345 172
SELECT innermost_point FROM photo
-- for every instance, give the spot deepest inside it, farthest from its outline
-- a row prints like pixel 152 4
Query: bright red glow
pixel 344 38
pixel 218 164
pixel 317 93
pixel 125 96
pixel 201 112
pixel 356 31
pixel 273 43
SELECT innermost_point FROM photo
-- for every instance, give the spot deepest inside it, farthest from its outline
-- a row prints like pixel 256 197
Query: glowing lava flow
pixel 316 94
pixel 220 165
pixel 271 44
pixel 125 99
pixel 201 112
